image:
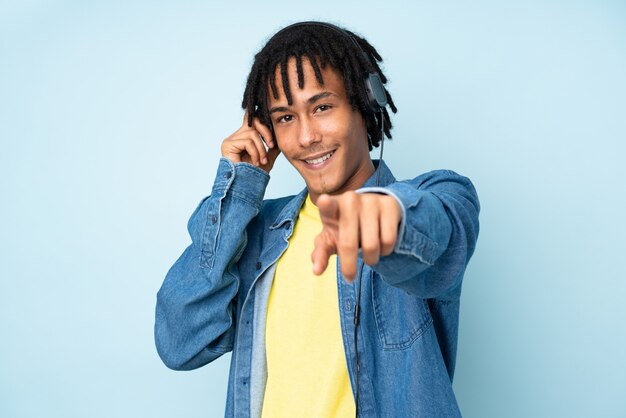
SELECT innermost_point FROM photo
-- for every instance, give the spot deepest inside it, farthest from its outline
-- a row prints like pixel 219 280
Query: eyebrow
pixel 311 100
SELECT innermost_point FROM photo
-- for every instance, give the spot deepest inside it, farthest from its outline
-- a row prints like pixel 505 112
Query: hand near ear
pixel 353 221
pixel 248 145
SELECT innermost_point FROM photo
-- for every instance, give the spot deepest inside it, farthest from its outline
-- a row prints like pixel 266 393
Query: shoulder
pixel 446 185
pixel 435 176
pixel 441 180
pixel 425 180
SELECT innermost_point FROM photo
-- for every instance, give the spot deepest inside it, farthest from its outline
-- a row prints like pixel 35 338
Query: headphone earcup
pixel 375 92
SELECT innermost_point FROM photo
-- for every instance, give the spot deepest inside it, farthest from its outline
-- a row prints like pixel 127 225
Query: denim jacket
pixel 214 298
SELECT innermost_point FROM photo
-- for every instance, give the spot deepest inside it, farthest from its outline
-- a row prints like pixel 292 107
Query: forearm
pixel 195 316
pixel 437 237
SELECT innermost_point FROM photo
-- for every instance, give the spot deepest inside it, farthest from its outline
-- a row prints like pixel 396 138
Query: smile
pixel 320 160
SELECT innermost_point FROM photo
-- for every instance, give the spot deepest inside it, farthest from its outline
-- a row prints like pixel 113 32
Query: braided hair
pixel 322 44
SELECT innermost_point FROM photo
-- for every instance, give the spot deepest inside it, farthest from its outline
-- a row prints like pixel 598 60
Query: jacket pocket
pixel 401 318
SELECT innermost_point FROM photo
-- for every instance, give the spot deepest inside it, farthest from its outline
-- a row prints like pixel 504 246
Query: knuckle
pixel 388 241
pixel 347 240
pixel 391 204
pixel 347 247
pixel 369 198
pixel 370 247
pixel 351 198
pixel 387 248
pixel 370 259
pixel 348 271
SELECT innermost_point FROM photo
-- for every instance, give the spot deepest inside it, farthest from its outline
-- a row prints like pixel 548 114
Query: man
pixel 375 334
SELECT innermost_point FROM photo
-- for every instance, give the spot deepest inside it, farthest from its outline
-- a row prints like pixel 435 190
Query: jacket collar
pixel 386 176
pixel 290 212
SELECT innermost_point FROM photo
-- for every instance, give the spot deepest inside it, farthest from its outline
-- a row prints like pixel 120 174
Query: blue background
pixel 111 118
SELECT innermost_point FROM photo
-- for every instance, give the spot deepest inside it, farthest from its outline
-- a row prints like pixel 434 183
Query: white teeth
pixel 321 159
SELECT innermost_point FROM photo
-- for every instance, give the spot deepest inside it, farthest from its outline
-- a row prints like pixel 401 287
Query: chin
pixel 323 188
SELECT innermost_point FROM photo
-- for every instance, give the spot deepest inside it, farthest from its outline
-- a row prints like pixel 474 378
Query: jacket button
pixel 348 306
pixel 258 265
pixel 228 175
pixel 213 219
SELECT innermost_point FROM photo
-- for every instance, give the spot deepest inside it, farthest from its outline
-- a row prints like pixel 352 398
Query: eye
pixel 322 108
pixel 284 119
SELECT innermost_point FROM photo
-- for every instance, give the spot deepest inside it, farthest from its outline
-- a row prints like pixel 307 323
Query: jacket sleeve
pixel 437 235
pixel 195 307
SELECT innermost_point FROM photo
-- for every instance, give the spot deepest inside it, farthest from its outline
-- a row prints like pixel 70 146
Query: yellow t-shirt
pixel 306 363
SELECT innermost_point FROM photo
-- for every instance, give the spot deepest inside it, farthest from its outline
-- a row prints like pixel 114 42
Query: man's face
pixel 320 134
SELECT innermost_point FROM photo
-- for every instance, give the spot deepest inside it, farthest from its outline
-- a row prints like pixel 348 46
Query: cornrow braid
pixel 322 44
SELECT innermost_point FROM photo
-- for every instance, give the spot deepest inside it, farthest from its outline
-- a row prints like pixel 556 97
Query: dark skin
pixel 325 139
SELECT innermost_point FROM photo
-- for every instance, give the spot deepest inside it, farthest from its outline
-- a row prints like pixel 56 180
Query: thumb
pixel 271 156
pixel 328 207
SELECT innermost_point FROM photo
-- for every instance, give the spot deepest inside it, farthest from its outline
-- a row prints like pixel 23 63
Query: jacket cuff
pixel 426 230
pixel 243 181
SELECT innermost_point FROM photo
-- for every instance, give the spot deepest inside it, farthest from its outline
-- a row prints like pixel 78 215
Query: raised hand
pixel 248 145
pixel 353 221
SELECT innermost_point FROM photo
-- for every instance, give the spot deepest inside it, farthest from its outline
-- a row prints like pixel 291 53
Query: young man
pixel 343 299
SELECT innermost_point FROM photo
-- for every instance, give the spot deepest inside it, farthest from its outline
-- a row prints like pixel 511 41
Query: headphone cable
pixel 360 280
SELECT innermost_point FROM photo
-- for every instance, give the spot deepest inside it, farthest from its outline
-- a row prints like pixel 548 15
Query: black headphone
pixel 377 98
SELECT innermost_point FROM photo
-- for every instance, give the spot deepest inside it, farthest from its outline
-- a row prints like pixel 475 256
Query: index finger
pixel 328 207
pixel 245 119
pixel 264 130
pixel 348 236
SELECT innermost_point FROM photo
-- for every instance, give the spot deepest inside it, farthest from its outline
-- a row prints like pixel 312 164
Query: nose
pixel 309 133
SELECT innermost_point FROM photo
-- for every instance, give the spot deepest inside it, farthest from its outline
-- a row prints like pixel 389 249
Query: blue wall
pixel 111 118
